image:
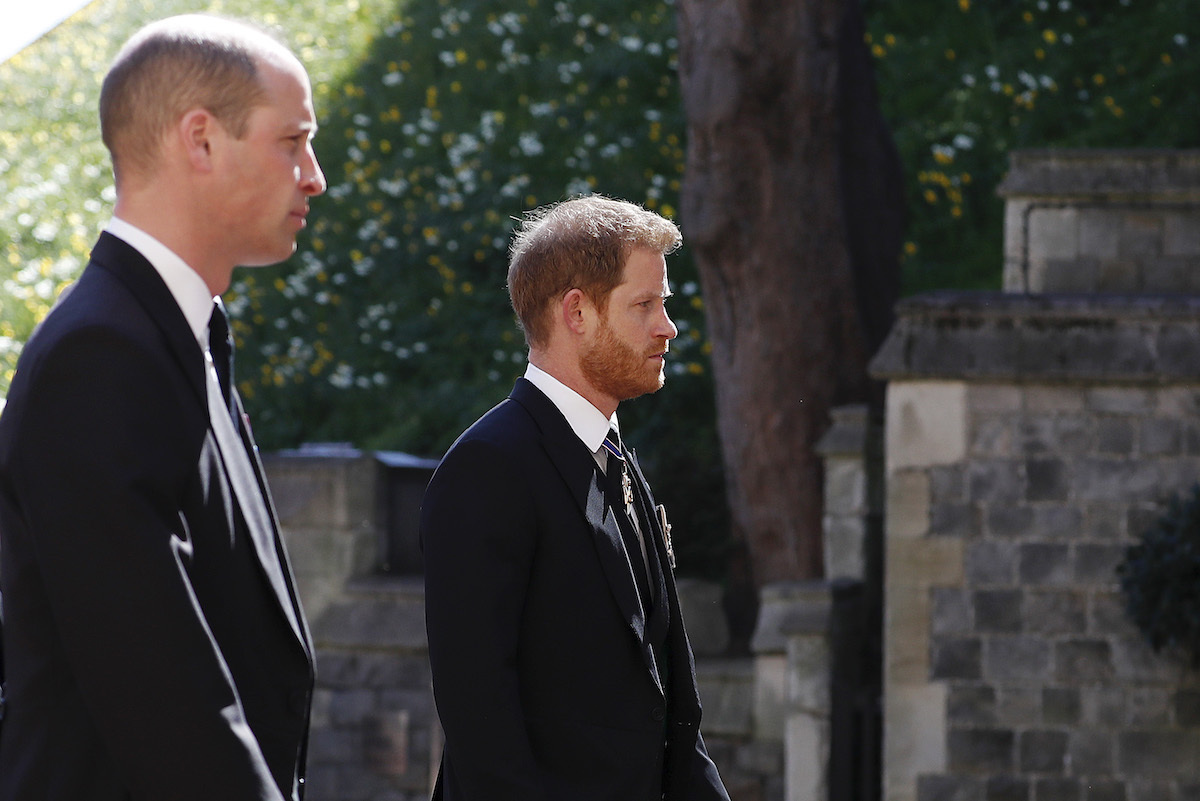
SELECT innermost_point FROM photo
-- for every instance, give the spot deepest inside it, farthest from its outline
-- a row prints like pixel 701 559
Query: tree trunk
pixel 792 188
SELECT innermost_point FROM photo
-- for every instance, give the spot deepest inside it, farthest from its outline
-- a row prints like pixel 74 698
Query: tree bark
pixel 792 188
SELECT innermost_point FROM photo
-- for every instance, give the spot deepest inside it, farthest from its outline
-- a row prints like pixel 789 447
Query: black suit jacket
pixel 151 651
pixel 545 681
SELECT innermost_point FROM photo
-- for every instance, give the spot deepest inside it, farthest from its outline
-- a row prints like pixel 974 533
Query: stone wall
pixel 1029 439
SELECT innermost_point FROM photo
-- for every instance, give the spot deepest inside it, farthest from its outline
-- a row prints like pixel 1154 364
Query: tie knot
pixel 612 444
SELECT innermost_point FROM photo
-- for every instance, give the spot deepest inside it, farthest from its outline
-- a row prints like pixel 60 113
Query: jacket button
pixel 659 713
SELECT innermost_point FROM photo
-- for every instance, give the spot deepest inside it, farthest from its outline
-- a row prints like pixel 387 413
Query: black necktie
pixel 621 492
pixel 220 345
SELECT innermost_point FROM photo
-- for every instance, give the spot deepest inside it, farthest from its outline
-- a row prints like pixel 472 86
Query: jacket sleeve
pixel 101 457
pixel 478 532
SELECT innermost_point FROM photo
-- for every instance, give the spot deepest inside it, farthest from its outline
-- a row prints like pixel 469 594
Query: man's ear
pixel 196 131
pixel 576 310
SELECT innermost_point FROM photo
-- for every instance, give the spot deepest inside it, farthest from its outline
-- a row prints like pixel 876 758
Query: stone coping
pixel 1132 174
pixel 1084 338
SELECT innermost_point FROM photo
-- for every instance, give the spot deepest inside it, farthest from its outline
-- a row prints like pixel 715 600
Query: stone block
pixel 914 736
pixel 1013 659
pixel 1061 706
pixel 384 620
pixel 1091 751
pixel 845 486
pixel 981 751
pixel 995 481
pixel 986 399
pixel 956 659
pixel 952 611
pixel 907 505
pixel 806 757
pixel 1114 436
pixel 906 635
pixel 1007 788
pixel 926 423
pixel 1053 234
pixel 1123 275
pixel 1045 564
pixel 1054 399
pixel 1017 707
pixel 998 611
pixel 1141 234
pixel 953 520
pixel 790 607
pixel 702 607
pixel 926 562
pixel 1134 661
pixel 1082 662
pixel 947 484
pixel 1105 790
pixel 1096 564
pixel 990 562
pixel 331 492
pixel 1161 437
pixel 1148 707
pixel 1077 274
pixel 949 788
pixel 1056 521
pixel 969 706
pixel 770 697
pixel 809 670
pixel 1043 751
pixel 1010 521
pixel 1056 612
pixel 1107 616
pixel 1103 707
pixel 1120 400
pixel 845 548
pixel 1099 233
pixel 1047 480
pixel 1181 234
pixel 1159 753
pixel 1186 704
pixel 994 438
pixel 1058 788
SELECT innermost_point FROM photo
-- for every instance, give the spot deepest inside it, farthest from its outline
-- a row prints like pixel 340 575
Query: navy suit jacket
pixel 154 644
pixel 545 679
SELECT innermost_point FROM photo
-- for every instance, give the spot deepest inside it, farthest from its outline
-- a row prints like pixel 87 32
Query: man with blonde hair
pixel 154 642
pixel 561 667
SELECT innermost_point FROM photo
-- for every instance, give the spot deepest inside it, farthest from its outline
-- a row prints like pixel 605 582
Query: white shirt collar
pixel 185 284
pixel 588 422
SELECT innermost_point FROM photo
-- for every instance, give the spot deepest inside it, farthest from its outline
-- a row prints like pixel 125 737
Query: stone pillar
pixel 851 450
pixel 792 700
pixel 1102 221
pixel 1029 440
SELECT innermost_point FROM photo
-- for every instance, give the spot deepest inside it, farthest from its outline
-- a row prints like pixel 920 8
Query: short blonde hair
pixel 172 66
pixel 581 243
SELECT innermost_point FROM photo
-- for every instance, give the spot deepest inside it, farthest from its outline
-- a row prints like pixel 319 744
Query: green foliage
pixel 964 82
pixel 1160 578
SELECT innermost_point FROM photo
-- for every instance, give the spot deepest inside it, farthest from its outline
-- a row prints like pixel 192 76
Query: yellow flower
pixel 1098 79
pixel 1050 36
pixel 951 55
pixel 964 5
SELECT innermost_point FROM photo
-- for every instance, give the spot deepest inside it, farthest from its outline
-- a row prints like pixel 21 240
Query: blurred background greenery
pixel 442 121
